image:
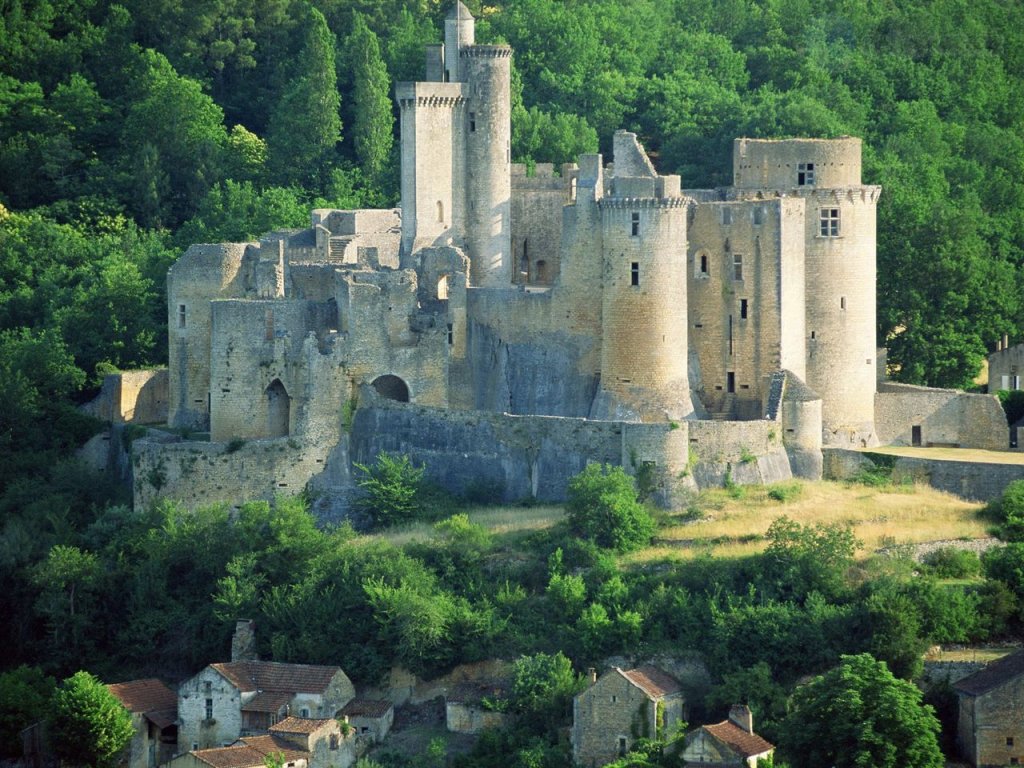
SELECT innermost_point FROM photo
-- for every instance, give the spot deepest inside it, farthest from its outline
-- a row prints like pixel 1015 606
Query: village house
pixel 473 707
pixel 371 718
pixel 731 743
pixel 620 708
pixel 154 710
pixel 990 730
pixel 297 742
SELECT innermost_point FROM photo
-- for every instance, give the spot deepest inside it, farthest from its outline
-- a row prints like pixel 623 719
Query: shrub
pixel 785 491
pixel 392 490
pixel 604 508
pixel 953 563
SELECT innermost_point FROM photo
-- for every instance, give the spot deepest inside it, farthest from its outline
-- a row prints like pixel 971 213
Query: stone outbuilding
pixel 621 707
pixel 230 700
pixel 371 718
pixel 154 710
pixel 990 729
pixel 731 743
pixel 474 707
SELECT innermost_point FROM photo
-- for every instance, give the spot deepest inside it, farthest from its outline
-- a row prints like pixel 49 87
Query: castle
pixel 604 313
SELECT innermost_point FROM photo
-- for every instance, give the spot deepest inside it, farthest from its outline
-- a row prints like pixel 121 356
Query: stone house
pixel 731 743
pixel 990 729
pixel 251 752
pixel 621 707
pixel 299 742
pixel 243 698
pixel 371 718
pixel 470 707
pixel 154 710
pixel 327 742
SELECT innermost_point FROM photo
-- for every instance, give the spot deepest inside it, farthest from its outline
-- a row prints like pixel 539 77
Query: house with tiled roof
pixel 472 707
pixel 154 710
pixel 731 743
pixel 229 700
pixel 619 708
pixel 371 718
pixel 990 727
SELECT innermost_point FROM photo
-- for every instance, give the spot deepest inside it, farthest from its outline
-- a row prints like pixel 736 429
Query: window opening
pixel 181 315
pixel 842 302
pixel 472 122
pixel 915 435
pixel 440 211
pixel 828 222
pixel 451 334
pixel 737 267
pixel 622 746
pixel 635 224
pixel 1009 741
pixel 730 335
pixel 703 263
pixel 334 741
pixel 758 216
pixel 634 273
pixel 805 174
pixel 209 709
pixel 743 309
pixel 442 288
pixel 727 215
pixel 730 381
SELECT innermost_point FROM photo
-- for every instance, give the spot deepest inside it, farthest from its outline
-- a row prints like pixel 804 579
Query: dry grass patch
pixel 509 521
pixel 729 526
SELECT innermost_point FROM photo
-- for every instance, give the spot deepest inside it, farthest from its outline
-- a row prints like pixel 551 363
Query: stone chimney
pixel 243 642
pixel 592 675
pixel 741 716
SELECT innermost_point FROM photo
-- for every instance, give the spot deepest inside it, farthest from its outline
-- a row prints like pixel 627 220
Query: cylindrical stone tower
pixel 644 371
pixel 459 33
pixel 488 129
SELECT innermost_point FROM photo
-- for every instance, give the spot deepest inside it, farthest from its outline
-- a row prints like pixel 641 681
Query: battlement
pixel 788 164
pixel 486 52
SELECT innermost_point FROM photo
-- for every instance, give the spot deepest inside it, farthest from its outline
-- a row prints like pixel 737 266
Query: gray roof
pixel 459 11
pixel 992 676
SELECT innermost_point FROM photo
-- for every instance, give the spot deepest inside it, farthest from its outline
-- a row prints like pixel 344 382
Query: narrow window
pixel 334 741
pixel 472 122
pixel 440 211
pixel 614 699
pixel 181 315
pixel 703 263
pixel 572 190
pixel 451 334
pixel 727 215
pixel 209 709
pixel 304 712
pixel 828 222
pixel 635 224
pixel 812 335
pixel 730 381
pixel 634 273
pixel 743 309
pixel 207 687
pixel 758 216
pixel 1016 382
pixel 268 325
pixel 730 335
pixel 1009 741
pixel 842 302
pixel 737 267
pixel 805 174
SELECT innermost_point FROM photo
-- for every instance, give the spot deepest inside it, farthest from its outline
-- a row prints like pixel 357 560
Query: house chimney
pixel 741 716
pixel 592 674
pixel 1006 341
pixel 243 642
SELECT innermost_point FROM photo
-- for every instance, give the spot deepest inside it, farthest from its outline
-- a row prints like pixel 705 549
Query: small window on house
pixel 828 222
pixel 730 381
pixel 209 709
pixel 704 264
pixel 364 729
pixel 805 174
pixel 758 216
pixel 181 315
pixel 207 687
pixel 1009 741
pixel 727 215
pixel 615 699
pixel 1014 761
pixel 635 224
pixel 335 741
pixel 743 309
pixel 195 745
pixel 634 273
pixel 472 122
pixel 622 746
pixel 737 267
pixel 304 712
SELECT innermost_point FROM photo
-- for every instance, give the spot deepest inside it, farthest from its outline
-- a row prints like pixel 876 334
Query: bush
pixel 785 491
pixel 393 490
pixel 953 563
pixel 604 508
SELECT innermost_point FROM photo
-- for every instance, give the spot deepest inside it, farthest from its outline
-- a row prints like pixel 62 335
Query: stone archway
pixel 392 387
pixel 278 409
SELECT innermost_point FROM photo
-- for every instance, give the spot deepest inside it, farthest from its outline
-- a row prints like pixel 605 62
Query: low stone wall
pixel 975 481
pixel 136 397
pixel 743 452
pixel 941 417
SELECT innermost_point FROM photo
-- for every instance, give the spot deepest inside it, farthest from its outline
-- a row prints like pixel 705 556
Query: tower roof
pixel 459 12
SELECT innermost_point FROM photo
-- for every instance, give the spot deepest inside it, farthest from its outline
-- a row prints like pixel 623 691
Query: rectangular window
pixel 727 215
pixel 743 309
pixel 451 334
pixel 704 264
pixel 842 302
pixel 472 122
pixel 207 687
pixel 622 746
pixel 635 225
pixel 805 174
pixel 209 709
pixel 828 222
pixel 634 273
pixel 730 381
pixel 181 315
pixel 758 216
pixel 730 335
pixel 737 267
pixel 1009 741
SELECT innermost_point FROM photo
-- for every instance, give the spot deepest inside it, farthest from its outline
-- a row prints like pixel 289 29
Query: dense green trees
pixel 88 725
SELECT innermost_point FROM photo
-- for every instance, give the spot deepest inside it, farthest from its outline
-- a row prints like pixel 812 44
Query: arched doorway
pixel 278 409
pixel 392 387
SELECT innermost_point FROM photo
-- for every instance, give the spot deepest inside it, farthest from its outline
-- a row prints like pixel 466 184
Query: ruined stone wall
pixel 537 203
pixel 941 416
pixel 771 164
pixel 203 273
pixel 138 397
pixel 746 281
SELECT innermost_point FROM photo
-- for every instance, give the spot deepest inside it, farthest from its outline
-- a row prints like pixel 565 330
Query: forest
pixel 128 132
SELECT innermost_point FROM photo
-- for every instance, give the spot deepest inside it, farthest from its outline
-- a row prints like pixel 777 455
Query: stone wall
pixel 991 726
pixel 941 417
pixel 744 452
pixel 537 203
pixel 138 397
pixel 194 730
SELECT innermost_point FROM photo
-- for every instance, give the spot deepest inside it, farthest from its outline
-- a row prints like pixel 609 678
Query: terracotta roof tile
pixel 746 744
pixel 230 757
pixel 162 718
pixel 267 701
pixel 145 695
pixel 367 708
pixel 277 676
pixel 992 676
pixel 300 725
pixel 270 743
pixel 652 681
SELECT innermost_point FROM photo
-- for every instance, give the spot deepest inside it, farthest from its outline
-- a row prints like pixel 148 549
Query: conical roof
pixel 459 12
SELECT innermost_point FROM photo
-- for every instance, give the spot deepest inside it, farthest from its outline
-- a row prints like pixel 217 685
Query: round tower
pixel 644 373
pixel 487 70
pixel 459 33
